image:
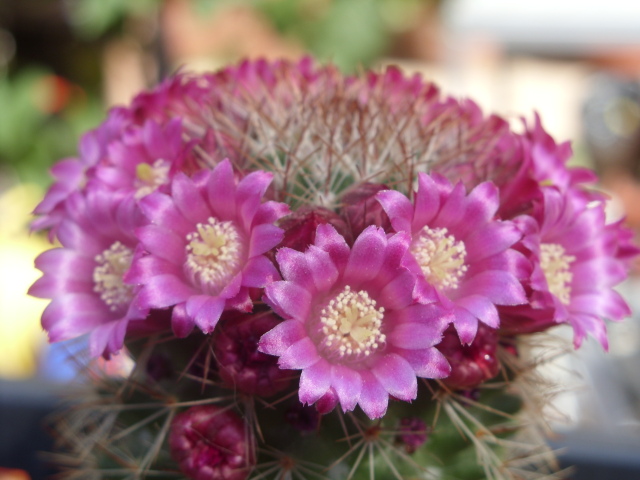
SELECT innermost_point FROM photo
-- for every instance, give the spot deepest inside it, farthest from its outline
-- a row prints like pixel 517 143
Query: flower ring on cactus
pixel 204 247
pixel 351 324
pixel 335 240
pixel 459 251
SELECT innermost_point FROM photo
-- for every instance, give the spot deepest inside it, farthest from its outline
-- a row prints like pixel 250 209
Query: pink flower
pixel 210 443
pixel 205 246
pixel 541 162
pixel 71 174
pixel 549 160
pixel 351 324
pixel 577 260
pixel 84 278
pixel 144 159
pixel 459 252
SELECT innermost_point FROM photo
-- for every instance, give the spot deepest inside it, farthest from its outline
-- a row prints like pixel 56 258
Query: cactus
pixel 318 277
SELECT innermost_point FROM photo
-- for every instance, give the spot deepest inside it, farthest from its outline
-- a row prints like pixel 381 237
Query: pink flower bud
pixel 210 443
pixel 300 227
pixel 470 365
pixel 412 433
pixel 361 208
pixel 241 366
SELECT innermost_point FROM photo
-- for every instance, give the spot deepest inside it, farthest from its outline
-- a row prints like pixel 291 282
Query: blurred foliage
pixel 43 114
pixel 92 18
pixel 349 33
pixel 41 118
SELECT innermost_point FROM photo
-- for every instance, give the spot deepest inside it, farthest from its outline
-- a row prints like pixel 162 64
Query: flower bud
pixel 470 365
pixel 241 366
pixel 412 433
pixel 361 208
pixel 300 227
pixel 210 443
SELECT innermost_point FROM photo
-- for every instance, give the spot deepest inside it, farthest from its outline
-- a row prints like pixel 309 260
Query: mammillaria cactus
pixel 319 276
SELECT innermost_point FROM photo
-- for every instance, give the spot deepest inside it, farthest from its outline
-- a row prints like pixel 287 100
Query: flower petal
pixel 397 377
pixel 221 188
pixel 323 271
pixel 348 385
pixel 205 311
pixel 188 200
pixel 277 340
pixel 329 240
pixel 466 325
pixel 300 355
pixel 427 363
pixel 374 399
pixel 501 287
pixel 414 336
pixel 160 210
pixel 481 308
pixel 398 208
pixel 258 272
pixel 263 238
pixel 314 382
pixel 367 255
pixel 163 291
pixel 162 243
pixel 288 299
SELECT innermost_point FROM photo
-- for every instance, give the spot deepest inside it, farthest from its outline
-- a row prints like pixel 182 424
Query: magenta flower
pixel 144 159
pixel 210 443
pixel 84 278
pixel 205 246
pixel 549 160
pixel 71 174
pixel 577 260
pixel 351 324
pixel 541 162
pixel 459 251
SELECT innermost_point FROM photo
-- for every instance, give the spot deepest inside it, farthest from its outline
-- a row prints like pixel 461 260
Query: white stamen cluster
pixel 556 264
pixel 351 324
pixel 213 254
pixel 440 257
pixel 150 177
pixel 107 276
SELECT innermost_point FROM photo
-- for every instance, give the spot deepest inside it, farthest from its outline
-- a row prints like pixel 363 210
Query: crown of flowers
pixel 364 232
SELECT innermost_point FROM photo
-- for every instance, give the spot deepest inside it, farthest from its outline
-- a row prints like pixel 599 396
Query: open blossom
pixel 576 266
pixel 144 159
pixel 84 278
pixel 541 162
pixel 204 248
pixel 459 252
pixel 351 324
pixel 71 174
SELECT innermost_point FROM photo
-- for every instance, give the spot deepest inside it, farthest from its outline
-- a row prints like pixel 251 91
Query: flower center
pixel 351 324
pixel 556 264
pixel 150 177
pixel 107 276
pixel 440 257
pixel 213 254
